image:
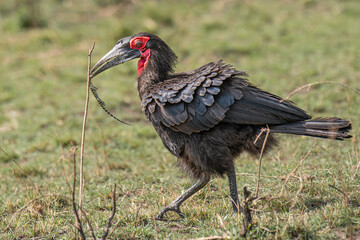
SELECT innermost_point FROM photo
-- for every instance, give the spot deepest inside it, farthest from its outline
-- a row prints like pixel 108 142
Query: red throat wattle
pixel 144 58
pixel 140 44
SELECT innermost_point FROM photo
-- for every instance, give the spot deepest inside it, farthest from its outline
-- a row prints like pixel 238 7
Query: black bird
pixel 207 117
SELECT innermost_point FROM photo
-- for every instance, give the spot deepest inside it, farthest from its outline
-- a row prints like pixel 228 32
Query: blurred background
pixel 43 54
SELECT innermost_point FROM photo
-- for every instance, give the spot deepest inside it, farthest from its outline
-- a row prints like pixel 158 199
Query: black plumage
pixel 209 116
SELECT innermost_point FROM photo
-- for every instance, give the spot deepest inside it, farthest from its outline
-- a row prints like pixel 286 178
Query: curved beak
pixel 119 54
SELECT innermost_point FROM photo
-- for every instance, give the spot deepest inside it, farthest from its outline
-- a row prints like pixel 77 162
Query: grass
pixel 281 44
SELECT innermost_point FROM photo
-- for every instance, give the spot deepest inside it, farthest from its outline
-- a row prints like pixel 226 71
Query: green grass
pixel 281 44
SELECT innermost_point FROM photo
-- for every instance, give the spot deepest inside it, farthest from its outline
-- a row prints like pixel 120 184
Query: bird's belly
pixel 212 151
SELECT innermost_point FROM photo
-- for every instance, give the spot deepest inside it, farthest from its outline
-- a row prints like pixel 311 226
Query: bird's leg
pixel 233 190
pixel 175 205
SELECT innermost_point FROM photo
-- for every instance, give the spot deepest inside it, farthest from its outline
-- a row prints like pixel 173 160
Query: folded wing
pixel 196 101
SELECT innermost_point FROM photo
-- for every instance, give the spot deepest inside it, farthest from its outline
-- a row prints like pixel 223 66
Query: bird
pixel 208 116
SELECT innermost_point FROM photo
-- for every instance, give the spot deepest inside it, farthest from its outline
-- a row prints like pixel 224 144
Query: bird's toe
pixel 164 210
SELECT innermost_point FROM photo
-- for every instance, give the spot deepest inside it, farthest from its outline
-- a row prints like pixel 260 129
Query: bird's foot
pixel 171 207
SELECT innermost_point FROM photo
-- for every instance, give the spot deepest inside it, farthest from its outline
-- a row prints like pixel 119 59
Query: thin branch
pixel 108 224
pixel 81 188
pixel 78 210
pixel 317 83
pixel 77 218
pixel 260 158
pixel 247 213
pixel 88 223
pixel 259 135
pixel 78 223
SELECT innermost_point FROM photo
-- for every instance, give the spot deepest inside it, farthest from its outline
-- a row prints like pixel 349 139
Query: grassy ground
pixel 281 44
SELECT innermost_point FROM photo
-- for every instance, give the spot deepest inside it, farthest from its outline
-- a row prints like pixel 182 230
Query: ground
pixel 308 188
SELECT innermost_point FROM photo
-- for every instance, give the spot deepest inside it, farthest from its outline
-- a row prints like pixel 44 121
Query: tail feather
pixel 333 128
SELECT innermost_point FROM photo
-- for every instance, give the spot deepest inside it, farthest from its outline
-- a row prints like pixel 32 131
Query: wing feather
pixel 198 100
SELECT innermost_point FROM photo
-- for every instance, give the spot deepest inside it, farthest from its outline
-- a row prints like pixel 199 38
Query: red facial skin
pixel 140 44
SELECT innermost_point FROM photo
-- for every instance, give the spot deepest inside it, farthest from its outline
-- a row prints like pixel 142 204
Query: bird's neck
pixel 157 69
pixel 148 78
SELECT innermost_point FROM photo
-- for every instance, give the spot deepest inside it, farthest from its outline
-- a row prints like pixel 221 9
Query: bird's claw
pixel 169 208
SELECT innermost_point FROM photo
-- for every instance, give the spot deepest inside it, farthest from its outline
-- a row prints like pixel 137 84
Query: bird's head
pixel 152 51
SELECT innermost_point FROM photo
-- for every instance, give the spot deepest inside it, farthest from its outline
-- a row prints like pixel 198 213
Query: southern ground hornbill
pixel 208 116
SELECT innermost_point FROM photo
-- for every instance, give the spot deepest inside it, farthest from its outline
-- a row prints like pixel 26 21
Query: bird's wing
pixel 258 107
pixel 198 100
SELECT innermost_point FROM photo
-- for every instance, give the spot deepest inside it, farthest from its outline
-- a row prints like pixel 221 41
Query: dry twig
pixel 309 85
pixel 247 213
pixel 78 223
pixel 267 129
pixel 78 211
pixel 81 188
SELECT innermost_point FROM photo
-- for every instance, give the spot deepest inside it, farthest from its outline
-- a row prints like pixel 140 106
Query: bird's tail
pixel 333 128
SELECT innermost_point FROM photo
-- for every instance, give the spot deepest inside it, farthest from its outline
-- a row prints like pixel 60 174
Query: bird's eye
pixel 138 43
